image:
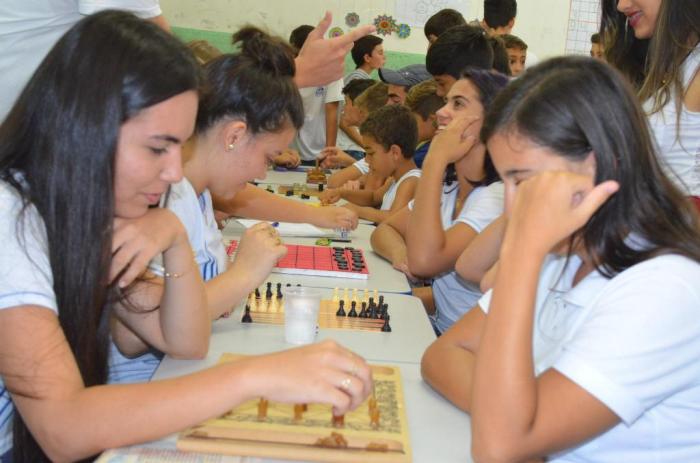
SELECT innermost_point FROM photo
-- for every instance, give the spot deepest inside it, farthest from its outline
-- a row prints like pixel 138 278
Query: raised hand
pixel 551 206
pixel 322 60
pixel 135 242
pixel 454 142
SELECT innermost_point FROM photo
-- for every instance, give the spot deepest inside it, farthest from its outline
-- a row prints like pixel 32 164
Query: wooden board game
pixel 320 261
pixel 377 431
pixel 303 191
pixel 361 310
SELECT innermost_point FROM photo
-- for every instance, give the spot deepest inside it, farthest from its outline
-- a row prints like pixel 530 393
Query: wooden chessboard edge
pixel 288 452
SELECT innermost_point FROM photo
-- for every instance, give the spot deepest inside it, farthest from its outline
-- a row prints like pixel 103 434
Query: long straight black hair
pixel 575 106
pixel 61 136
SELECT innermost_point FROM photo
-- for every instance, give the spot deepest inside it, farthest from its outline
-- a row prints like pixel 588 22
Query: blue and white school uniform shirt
pixel 197 216
pixel 454 296
pixel 25 277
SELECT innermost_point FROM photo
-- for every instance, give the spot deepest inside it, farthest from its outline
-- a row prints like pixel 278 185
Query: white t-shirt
pixel 454 296
pixel 25 277
pixel 197 216
pixel 311 138
pixel 356 74
pixel 390 195
pixel 362 166
pixel 633 342
pixel 29 28
pixel 679 150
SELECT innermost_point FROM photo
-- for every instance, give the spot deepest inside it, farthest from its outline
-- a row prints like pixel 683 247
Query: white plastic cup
pixel 301 306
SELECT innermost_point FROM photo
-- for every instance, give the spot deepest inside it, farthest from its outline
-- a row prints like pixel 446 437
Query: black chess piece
pixel 289 193
pixel 381 300
pixel 246 316
pixel 279 290
pixel 268 291
pixel 363 312
pixel 341 309
pixel 257 293
pixel 320 187
pixel 305 196
pixel 386 328
pixel 353 312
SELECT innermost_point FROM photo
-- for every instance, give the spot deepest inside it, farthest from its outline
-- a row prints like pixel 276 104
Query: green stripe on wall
pixel 222 41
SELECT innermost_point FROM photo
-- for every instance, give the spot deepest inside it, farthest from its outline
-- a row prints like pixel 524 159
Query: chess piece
pixel 298 411
pixel 374 417
pixel 363 312
pixel 262 409
pixel 289 193
pixel 385 327
pixel 257 293
pixel 246 316
pixel 268 292
pixel 338 421
pixel 381 300
pixel 341 309
pixel 279 290
pixel 305 196
pixel 353 312
pixel 320 187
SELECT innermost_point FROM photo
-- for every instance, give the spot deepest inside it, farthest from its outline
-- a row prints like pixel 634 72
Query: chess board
pixel 313 436
pixel 362 310
pixel 322 261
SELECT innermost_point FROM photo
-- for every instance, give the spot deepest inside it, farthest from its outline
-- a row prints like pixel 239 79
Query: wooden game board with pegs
pixel 321 261
pixel 376 431
pixel 370 311
pixel 288 190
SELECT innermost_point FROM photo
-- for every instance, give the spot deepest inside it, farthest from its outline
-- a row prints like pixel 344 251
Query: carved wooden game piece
pixel 338 421
pixel 246 316
pixel 279 290
pixel 353 312
pixel 363 312
pixel 257 293
pixel 386 328
pixel 298 411
pixel 262 409
pixel 268 291
pixel 341 309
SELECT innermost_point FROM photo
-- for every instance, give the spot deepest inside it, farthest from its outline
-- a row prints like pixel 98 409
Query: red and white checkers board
pixel 322 261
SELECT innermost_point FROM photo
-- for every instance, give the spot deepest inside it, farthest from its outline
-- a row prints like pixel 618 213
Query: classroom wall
pixel 216 19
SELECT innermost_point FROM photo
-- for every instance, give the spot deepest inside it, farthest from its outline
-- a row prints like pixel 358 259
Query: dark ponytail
pixel 254 85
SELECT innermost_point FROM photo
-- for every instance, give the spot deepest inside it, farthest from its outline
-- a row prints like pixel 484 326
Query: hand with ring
pixel 259 250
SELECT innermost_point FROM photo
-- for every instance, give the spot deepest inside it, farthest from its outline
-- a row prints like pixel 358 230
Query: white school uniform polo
pixel 29 28
pixel 25 277
pixel 679 150
pixel 633 342
pixel 454 296
pixel 311 138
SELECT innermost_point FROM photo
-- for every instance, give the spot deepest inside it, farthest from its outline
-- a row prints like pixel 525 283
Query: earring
pixel 231 146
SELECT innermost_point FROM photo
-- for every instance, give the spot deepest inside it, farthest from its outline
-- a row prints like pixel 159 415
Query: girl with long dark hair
pixel 92 143
pixel 586 347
